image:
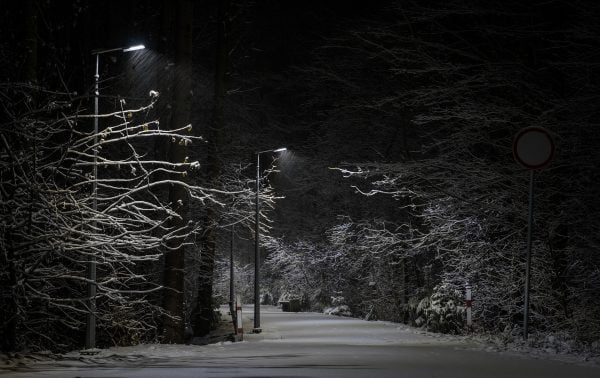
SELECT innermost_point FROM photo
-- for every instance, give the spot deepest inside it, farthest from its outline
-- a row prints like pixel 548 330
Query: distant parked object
pixel 289 303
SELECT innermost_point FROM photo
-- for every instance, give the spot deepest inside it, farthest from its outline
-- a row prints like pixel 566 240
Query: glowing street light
pixel 257 328
pixel 134 48
pixel 90 327
pixel 122 49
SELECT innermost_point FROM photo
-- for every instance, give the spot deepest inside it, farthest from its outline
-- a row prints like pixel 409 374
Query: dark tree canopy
pixel 398 187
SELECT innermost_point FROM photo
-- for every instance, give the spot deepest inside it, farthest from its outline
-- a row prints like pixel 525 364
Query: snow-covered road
pixel 310 345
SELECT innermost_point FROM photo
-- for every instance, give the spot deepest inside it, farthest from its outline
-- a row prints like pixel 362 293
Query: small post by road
pixel 239 332
pixel 231 272
pixel 468 303
pixel 232 309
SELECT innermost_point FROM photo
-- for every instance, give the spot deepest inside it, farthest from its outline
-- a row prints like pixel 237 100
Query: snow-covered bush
pixel 338 307
pixel 338 300
pixel 442 311
pixel 341 310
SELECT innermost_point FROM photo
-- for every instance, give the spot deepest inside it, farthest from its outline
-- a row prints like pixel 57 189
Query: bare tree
pixel 50 228
pixel 435 97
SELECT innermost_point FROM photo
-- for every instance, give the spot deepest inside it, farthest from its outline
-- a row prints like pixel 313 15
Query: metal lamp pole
pixel 90 325
pixel 257 328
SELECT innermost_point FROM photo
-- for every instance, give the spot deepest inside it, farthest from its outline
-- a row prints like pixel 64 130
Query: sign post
pixel 533 148
pixel 238 310
pixel 468 302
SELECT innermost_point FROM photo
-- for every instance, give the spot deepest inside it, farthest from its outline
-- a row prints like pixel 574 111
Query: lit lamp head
pixel 134 48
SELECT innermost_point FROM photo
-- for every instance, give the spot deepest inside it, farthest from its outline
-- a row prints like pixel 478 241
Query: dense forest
pixel 398 189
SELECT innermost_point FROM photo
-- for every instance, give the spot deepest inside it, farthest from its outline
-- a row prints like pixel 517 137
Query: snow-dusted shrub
pixel 341 310
pixel 442 311
pixel 289 296
pixel 338 307
pixel 337 301
pixel 551 342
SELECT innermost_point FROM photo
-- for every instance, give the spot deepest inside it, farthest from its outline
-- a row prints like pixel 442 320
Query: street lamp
pixel 256 243
pixel 90 326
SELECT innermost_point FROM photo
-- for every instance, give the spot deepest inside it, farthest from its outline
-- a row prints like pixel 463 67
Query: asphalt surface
pixel 310 345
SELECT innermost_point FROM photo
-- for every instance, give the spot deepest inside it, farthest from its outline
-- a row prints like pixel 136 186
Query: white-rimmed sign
pixel 533 147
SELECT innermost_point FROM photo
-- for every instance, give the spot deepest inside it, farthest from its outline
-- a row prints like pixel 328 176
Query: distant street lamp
pixel 90 329
pixel 256 243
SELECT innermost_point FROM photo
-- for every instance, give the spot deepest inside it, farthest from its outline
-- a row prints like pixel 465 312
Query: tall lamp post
pixel 257 328
pixel 90 326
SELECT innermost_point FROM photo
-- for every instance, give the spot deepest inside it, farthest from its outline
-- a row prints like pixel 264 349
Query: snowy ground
pixel 312 345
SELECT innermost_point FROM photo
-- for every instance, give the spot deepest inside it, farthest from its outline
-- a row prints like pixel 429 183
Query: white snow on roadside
pixel 540 346
pixel 306 329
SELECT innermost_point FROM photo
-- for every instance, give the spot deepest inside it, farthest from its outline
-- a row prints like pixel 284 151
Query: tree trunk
pixel 10 317
pixel 203 313
pixel 173 326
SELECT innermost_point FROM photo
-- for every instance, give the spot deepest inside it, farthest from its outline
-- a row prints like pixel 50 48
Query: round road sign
pixel 533 147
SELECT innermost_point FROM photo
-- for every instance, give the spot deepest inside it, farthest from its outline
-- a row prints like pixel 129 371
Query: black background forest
pixel 398 187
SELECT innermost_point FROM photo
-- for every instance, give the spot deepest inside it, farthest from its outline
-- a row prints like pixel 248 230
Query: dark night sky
pixel 273 42
pixel 279 93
